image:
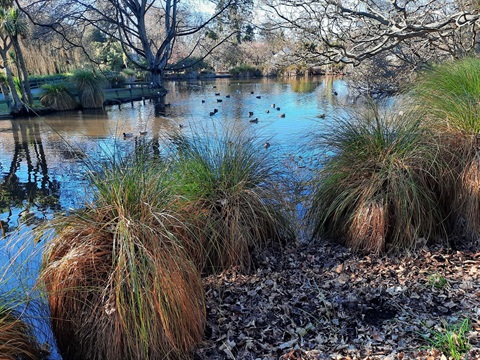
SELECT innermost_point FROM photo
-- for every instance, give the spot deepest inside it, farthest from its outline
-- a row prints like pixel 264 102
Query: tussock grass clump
pixel 90 88
pixel 450 95
pixel 119 282
pixel 375 191
pixel 228 188
pixel 17 341
pixel 57 97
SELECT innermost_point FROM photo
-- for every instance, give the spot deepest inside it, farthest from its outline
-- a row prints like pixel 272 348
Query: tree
pixel 236 18
pixel 15 26
pixel 146 29
pixel 5 46
pixel 351 31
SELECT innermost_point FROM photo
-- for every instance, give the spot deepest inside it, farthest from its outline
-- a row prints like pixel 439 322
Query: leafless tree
pixel 351 31
pixel 146 29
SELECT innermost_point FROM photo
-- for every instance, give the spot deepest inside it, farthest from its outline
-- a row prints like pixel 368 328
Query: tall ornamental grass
pixel 17 341
pixel 90 88
pixel 376 189
pixel 119 282
pixel 228 187
pixel 57 97
pixel 450 96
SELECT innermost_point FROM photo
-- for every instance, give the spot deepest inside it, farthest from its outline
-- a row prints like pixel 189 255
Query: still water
pixel 42 159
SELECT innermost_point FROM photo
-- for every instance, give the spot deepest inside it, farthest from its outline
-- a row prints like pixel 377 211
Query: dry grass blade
pixel 450 95
pixel 227 187
pixel 376 191
pixel 16 338
pixel 119 282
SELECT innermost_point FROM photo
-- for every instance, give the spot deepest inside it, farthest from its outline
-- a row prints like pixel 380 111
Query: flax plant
pixel 376 190
pixel 229 188
pixel 120 284
pixel 450 96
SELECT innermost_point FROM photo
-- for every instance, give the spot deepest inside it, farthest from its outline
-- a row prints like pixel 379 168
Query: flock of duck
pixel 250 114
pixel 252 120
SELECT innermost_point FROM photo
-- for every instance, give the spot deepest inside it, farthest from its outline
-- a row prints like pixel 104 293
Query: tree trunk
pixel 16 99
pixel 6 94
pixel 22 69
pixel 156 79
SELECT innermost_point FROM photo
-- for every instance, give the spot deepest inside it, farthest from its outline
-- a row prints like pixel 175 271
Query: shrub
pixel 227 186
pixel 90 88
pixel 119 283
pixel 116 79
pixel 450 96
pixel 245 71
pixel 375 191
pixel 57 97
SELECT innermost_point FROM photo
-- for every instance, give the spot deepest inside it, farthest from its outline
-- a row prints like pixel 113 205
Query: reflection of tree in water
pixel 34 195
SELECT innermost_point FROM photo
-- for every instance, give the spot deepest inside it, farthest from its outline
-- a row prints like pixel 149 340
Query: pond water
pixel 41 159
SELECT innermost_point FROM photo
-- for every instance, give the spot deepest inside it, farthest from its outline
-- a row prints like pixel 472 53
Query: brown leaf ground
pixel 321 301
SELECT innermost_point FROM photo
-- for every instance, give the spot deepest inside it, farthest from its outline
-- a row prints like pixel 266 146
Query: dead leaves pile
pixel 320 301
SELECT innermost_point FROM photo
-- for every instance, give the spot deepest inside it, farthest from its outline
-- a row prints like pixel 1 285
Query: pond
pixel 42 159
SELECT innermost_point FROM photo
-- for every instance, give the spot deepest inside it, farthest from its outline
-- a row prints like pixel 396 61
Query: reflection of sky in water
pixel 41 160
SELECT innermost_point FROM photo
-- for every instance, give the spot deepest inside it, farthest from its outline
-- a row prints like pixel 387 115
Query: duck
pixel 321 116
pixel 127 135
pixel 143 133
pixel 273 106
pixel 227 96
pixel 219 100
pixel 212 113
pixel 254 121
pixel 250 113
pixel 252 92
pixel 203 101
pixel 217 94
pixel 278 108
pixel 335 93
pixel 258 97
pixel 215 110
pixel 268 111
pixel 282 115
pixel 266 145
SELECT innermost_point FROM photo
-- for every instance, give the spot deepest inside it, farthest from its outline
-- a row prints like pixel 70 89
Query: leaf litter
pixel 322 301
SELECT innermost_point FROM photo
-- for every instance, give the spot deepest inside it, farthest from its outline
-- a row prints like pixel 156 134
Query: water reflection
pixel 41 159
pixel 32 194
